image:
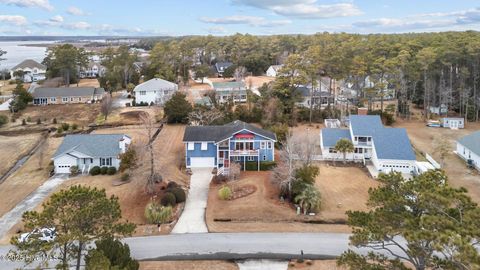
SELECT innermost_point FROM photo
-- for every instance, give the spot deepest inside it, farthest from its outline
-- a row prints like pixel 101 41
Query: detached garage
pixel 202 162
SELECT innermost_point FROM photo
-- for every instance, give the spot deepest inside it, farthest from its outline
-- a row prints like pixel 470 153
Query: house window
pixel 237 158
pixel 264 157
pixel 53 99
pixel 71 99
pixel 269 145
pixel 191 146
pixel 262 145
pixel 204 146
pixel 332 151
pixel 79 99
pixel 143 93
pixel 358 150
pixel 251 158
pixel 105 161
pixel 65 99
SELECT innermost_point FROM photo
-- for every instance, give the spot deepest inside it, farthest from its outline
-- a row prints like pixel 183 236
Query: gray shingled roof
pixel 472 142
pixel 220 133
pixel 93 145
pixel 67 92
pixel 155 85
pixel 29 63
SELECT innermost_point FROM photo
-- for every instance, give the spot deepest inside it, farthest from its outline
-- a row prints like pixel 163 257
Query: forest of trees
pixel 427 69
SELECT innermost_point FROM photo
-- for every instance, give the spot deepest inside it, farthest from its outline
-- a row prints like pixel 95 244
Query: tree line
pixel 425 69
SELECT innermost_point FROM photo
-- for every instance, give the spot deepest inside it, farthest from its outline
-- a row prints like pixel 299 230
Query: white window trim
pixel 263 145
pixel 204 146
pixel 269 145
pixel 191 146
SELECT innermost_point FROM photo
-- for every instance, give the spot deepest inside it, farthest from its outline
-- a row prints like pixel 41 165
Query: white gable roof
pixel 156 84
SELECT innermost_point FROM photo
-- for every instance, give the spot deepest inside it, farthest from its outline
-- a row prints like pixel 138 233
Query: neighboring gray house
pixel 32 71
pixel 66 95
pixel 230 91
pixel 220 67
pixel 319 99
pixel 89 150
pixel 156 91
pixel 468 148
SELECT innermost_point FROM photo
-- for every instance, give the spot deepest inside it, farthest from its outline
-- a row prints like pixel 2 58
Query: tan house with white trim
pixel 67 95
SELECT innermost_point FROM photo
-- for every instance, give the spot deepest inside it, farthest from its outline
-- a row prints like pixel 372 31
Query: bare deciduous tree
pixel 107 105
pixel 153 177
pixel 234 171
pixel 240 73
pixel 203 117
pixel 442 147
pixel 284 173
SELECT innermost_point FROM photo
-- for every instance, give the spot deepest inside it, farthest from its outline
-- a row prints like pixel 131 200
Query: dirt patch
pixel 87 83
pixel 422 138
pixel 14 148
pixel 190 265
pixel 342 189
pixel 316 265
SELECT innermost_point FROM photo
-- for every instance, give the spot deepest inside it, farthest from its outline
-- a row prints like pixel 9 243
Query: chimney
pixel 123 146
pixel 362 111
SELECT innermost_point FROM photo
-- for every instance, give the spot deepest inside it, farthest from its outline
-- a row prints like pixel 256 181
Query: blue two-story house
pixel 219 146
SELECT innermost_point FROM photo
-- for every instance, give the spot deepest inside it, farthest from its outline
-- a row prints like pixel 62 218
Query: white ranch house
pixel 89 150
pixel 468 148
pixel 273 71
pixel 156 91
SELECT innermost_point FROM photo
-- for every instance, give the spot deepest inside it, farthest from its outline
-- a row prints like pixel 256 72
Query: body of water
pixel 16 53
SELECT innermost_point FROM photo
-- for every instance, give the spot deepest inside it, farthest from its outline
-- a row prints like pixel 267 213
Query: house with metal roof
pixel 230 91
pixel 89 150
pixel 386 149
pixel 468 148
pixel 66 95
pixel 219 146
pixel 154 91
pixel 31 69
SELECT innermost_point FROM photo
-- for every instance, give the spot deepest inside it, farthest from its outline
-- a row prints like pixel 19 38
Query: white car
pixel 43 234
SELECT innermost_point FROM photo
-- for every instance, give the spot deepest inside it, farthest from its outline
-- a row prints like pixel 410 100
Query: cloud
pixel 107 29
pixel 249 20
pixel 304 9
pixel 58 19
pixel 217 30
pixel 53 21
pixel 77 26
pixel 44 4
pixel 424 21
pixel 76 11
pixel 16 20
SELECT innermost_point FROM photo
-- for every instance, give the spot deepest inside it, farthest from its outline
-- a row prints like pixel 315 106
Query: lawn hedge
pixel 264 165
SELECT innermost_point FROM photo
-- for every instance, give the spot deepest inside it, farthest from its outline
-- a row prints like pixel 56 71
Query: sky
pixel 226 17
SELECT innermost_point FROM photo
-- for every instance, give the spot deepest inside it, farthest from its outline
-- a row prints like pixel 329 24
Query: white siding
pixel 466 154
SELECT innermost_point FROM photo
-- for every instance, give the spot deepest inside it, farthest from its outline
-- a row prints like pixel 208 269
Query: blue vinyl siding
pixel 198 152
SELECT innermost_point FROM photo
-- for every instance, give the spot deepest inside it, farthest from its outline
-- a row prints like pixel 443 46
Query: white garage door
pixel 62 168
pixel 202 162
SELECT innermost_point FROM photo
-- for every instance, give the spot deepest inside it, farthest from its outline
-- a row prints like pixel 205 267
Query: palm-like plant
pixel 308 199
pixel 344 146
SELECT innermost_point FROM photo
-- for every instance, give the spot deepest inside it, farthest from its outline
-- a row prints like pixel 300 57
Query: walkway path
pixel 192 219
pixel 11 218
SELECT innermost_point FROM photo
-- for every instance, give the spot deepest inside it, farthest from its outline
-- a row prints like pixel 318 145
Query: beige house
pixel 67 95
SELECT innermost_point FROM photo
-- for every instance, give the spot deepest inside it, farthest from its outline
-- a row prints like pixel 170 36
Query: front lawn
pixel 342 189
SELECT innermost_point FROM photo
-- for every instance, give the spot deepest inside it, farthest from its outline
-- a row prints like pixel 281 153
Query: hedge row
pixel 264 165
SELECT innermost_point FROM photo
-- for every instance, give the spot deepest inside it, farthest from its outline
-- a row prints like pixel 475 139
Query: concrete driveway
pixel 192 219
pixel 11 218
pixel 122 100
pixel 5 106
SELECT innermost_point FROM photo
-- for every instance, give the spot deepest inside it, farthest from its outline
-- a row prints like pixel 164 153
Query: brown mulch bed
pixel 243 191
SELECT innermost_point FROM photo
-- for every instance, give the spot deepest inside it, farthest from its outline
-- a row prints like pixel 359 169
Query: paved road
pixel 230 246
pixel 12 217
pixel 262 265
pixel 5 106
pixel 192 219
